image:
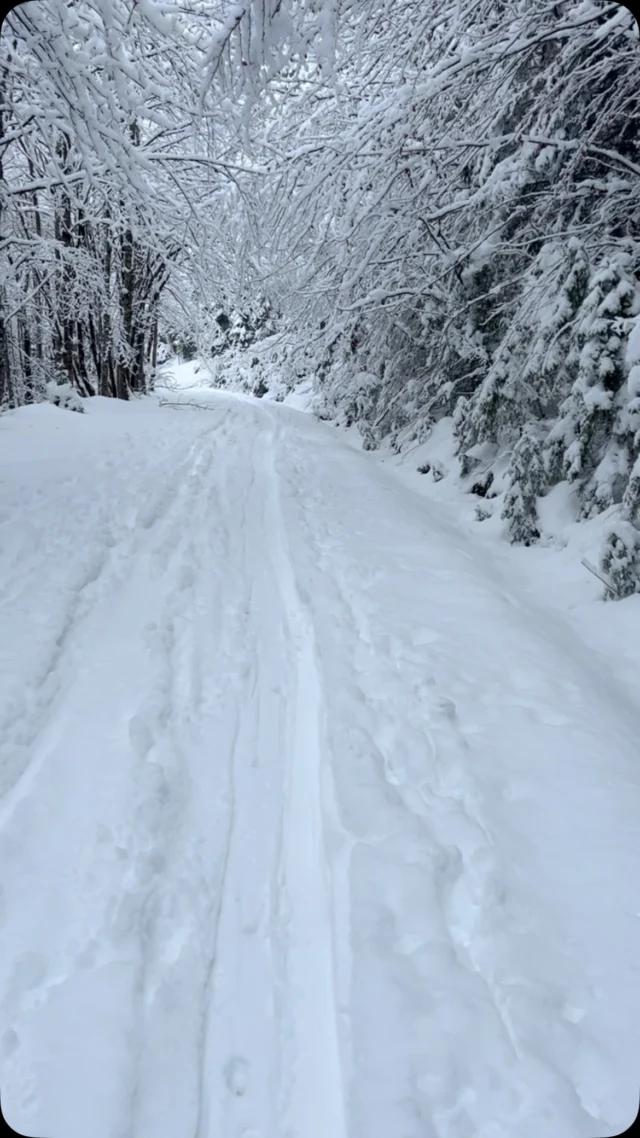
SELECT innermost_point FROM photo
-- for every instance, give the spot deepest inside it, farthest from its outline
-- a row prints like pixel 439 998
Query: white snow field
pixel 315 822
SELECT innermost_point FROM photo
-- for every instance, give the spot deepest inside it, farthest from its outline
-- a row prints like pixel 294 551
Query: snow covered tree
pixel 592 454
pixel 526 477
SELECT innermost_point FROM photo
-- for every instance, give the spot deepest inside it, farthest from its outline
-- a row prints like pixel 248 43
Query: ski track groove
pixel 287 902
pixel 208 1060
pixel 317 1105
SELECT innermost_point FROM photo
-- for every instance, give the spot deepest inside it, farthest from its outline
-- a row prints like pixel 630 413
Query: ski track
pixel 272 1052
pixel 317 1096
pixel 261 772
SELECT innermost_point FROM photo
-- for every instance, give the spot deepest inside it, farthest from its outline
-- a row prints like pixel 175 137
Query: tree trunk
pixel 64 353
pixel 126 363
pixel 106 380
pixel 6 393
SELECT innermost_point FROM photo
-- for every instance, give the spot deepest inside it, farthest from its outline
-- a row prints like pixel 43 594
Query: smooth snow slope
pixel 309 827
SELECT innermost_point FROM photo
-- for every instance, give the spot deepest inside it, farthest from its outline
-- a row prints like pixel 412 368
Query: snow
pixel 632 354
pixel 319 803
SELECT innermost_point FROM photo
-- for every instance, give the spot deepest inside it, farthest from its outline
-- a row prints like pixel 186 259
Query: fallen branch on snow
pixel 187 403
pixel 608 584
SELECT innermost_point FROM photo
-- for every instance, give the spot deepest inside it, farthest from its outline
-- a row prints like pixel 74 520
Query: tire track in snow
pixel 316 1106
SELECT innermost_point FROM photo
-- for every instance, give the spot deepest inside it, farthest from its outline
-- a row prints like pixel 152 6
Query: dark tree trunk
pixel 27 367
pixel 64 353
pixel 107 385
pixel 125 381
pixel 154 350
pixel 84 382
pixel 6 393
pixel 6 389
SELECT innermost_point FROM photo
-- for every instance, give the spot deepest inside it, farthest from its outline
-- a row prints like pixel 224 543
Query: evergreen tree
pixel 592 455
pixel 620 561
pixel 526 477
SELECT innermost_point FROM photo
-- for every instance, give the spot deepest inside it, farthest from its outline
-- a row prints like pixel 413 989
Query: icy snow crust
pixel 310 826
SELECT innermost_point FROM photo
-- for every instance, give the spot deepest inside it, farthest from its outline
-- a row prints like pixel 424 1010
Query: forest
pixel 428 210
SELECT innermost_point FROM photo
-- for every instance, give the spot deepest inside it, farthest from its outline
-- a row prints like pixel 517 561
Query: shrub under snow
pixel 64 395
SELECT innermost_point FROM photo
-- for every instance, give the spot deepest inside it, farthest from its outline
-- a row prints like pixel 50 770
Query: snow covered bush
pixel 620 561
pixel 238 329
pixel 64 395
pixel 350 395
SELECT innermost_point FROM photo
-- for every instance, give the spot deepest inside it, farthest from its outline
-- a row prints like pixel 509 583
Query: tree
pixel 526 478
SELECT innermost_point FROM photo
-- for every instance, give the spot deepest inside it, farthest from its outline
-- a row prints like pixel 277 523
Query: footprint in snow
pixel 236 1074
pixel 553 718
pixel 9 1042
pixel 447 707
pixel 29 976
pixel 140 736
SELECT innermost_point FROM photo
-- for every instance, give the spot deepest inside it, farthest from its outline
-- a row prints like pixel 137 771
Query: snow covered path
pixel 311 826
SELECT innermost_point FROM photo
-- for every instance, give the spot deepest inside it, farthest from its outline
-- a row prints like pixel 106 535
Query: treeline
pixel 464 194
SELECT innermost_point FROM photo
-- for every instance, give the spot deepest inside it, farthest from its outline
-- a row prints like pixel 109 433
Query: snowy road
pixel 311 826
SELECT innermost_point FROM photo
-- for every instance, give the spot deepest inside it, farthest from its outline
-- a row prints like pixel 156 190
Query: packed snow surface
pixel 315 822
